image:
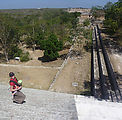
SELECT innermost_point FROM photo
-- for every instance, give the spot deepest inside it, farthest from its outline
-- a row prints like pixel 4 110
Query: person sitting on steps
pixel 15 87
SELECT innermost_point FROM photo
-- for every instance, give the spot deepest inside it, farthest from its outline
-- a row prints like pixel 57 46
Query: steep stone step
pixel 45 105
pixel 40 105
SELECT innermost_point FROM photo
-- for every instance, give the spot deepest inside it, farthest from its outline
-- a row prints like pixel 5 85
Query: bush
pixel 14 51
pixel 111 26
pixel 24 57
pixel 86 22
pixel 87 34
pixel 87 46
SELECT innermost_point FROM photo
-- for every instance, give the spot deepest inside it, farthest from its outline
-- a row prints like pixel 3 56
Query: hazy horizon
pixel 17 4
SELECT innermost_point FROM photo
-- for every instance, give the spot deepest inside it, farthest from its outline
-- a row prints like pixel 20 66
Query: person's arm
pixel 12 90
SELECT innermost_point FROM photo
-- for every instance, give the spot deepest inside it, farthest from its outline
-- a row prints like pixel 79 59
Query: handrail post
pixel 102 78
pixel 92 70
pixel 112 79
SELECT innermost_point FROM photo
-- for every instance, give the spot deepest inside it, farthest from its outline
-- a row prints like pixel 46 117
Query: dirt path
pixel 25 66
pixel 60 70
pixel 73 76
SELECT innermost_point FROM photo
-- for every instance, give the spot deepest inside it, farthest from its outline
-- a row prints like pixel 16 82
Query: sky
pixel 20 4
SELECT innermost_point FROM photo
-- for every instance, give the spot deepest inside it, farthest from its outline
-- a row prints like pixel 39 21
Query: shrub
pixel 111 26
pixel 86 22
pixel 87 46
pixel 14 51
pixel 87 34
pixel 24 57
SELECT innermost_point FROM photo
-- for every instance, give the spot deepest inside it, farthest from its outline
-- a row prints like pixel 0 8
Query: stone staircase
pixel 45 105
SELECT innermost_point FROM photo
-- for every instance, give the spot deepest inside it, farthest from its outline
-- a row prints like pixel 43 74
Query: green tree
pixel 97 11
pixel 30 32
pixel 108 5
pixel 51 46
pixel 113 21
pixel 8 38
pixel 113 17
